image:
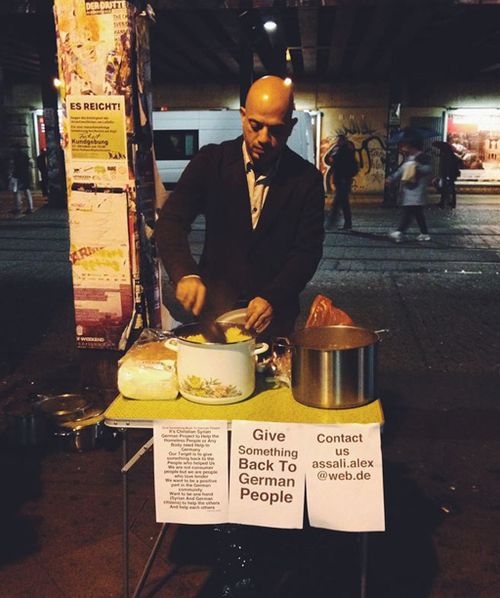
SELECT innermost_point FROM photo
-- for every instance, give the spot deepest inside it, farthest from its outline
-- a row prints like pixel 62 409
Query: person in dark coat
pixel 20 182
pixel 449 171
pixel 41 164
pixel 264 209
pixel 344 168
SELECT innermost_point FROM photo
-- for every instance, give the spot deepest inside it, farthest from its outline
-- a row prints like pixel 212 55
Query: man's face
pixel 405 149
pixel 265 134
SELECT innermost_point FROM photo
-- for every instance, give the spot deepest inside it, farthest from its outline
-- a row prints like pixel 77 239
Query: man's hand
pixel 259 314
pixel 191 293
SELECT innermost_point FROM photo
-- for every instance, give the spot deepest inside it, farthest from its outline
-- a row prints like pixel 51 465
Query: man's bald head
pixel 267 119
pixel 272 95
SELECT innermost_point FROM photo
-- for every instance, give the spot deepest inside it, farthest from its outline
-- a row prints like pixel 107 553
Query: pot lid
pixel 94 416
pixel 64 407
pixel 236 316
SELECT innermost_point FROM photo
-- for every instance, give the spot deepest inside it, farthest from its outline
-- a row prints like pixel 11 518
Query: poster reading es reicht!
pixel 97 140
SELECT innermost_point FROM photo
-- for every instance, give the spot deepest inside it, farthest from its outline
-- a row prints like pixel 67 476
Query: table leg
pixel 126 466
pixel 125 545
pixel 364 563
pixel 150 562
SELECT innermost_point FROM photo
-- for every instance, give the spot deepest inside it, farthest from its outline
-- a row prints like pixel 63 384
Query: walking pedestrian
pixel 344 168
pixel 20 181
pixel 449 171
pixel 413 177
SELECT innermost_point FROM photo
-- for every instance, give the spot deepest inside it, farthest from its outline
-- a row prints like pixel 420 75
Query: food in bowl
pixel 233 335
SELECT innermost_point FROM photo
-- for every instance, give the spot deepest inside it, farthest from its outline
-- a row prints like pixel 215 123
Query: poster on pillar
pixel 94 47
pixel 365 129
pixel 102 58
pixel 97 140
pixel 100 261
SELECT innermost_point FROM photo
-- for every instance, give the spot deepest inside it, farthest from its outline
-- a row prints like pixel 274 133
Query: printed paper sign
pixel 97 139
pixel 344 477
pixel 190 471
pixel 267 475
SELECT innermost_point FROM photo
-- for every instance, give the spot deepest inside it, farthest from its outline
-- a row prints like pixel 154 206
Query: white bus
pixel 179 134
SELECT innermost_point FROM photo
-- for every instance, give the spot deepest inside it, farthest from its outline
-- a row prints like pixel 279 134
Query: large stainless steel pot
pixel 82 434
pixel 334 367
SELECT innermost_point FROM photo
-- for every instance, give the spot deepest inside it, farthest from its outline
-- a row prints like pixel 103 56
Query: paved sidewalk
pixel 439 375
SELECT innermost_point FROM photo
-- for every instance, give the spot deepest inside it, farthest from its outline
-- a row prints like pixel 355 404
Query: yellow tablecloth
pixel 275 405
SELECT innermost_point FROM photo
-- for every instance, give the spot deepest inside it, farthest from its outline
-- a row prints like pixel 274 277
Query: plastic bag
pixel 323 313
pixel 148 370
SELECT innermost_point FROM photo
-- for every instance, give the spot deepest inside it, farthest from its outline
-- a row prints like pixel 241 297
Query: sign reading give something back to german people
pixel 267 476
pixel 97 140
pixel 344 477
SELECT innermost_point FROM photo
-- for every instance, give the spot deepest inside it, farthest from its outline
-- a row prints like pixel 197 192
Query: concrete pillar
pixel 103 53
pixel 393 126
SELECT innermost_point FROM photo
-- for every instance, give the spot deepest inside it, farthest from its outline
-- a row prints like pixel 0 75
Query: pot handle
pixel 172 344
pixel 260 348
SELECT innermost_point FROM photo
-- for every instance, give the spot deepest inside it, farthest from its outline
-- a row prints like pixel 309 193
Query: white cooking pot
pixel 214 373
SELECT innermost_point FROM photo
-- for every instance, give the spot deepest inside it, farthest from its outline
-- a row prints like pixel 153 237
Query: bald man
pixel 263 206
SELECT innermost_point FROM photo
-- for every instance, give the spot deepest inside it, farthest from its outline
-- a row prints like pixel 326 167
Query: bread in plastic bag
pixel 148 370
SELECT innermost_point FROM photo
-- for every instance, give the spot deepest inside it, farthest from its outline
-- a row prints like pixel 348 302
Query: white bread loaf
pixel 148 372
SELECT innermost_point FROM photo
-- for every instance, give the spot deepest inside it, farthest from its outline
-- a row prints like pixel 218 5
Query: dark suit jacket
pixel 274 261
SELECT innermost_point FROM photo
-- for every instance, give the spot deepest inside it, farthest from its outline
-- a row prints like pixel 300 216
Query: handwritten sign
pixel 344 477
pixel 267 475
pixel 190 470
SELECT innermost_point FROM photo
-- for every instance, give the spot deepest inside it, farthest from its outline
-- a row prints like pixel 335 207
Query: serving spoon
pixel 210 328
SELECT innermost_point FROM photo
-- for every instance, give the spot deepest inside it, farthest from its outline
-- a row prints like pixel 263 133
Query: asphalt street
pixel 439 380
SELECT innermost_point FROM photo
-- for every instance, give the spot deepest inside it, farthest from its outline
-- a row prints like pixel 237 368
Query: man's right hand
pixel 191 293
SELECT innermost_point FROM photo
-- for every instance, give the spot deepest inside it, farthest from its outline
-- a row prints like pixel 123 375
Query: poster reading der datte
pixel 97 140
pixel 344 477
pixel 267 476
pixel 190 471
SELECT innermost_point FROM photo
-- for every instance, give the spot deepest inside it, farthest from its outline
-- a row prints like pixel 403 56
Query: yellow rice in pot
pixel 233 335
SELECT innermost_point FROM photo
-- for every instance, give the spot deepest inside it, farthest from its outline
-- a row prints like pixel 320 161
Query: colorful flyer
pixel 190 471
pixel 100 261
pixel 267 474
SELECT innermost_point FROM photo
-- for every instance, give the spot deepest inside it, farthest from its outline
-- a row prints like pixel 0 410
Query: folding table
pixel 266 405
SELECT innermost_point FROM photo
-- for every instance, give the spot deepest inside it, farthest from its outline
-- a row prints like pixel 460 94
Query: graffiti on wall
pixel 369 145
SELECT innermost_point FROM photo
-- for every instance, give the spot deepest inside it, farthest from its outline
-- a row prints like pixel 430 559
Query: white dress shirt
pixel 258 187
